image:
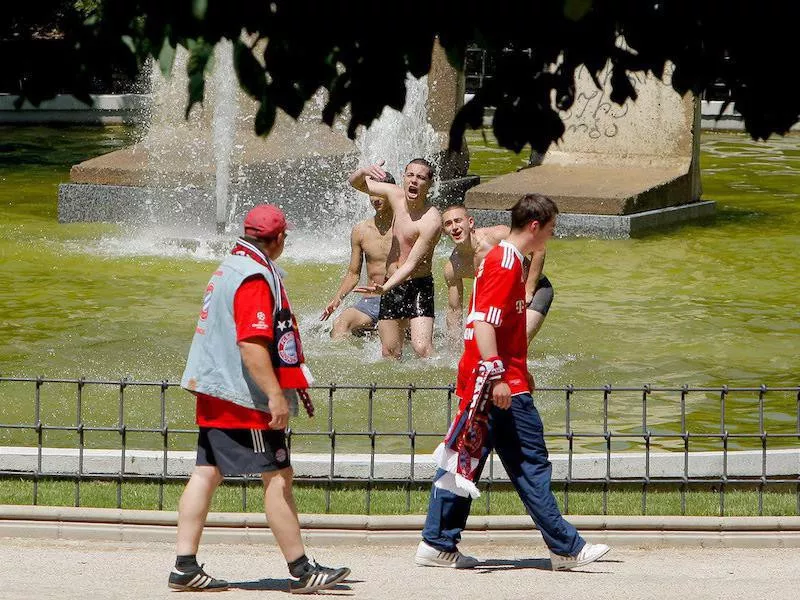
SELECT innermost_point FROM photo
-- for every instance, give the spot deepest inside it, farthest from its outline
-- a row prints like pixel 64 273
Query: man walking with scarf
pixel 496 408
pixel 247 371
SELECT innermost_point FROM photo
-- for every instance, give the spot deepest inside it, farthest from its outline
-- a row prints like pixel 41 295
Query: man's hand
pixel 375 171
pixel 371 288
pixel 279 409
pixel 329 310
pixel 501 395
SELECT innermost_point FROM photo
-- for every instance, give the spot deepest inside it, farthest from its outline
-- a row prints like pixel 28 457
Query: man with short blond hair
pixel 471 245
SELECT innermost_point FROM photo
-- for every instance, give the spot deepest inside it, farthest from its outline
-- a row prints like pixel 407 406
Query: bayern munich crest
pixel 287 348
pixel 206 302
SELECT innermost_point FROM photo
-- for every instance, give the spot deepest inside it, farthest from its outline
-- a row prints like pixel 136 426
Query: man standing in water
pixel 496 408
pixel 471 245
pixel 245 366
pixel 370 239
pixel 407 294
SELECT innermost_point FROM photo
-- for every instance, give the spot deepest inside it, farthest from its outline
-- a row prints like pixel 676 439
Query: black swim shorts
pixel 242 451
pixel 412 298
pixel 542 296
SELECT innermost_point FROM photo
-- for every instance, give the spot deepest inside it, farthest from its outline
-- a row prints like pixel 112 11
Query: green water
pixel 705 304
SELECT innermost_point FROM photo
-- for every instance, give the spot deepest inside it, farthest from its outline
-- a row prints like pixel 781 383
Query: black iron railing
pixel 612 437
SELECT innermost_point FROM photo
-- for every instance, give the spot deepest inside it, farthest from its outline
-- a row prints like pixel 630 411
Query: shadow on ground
pixel 282 585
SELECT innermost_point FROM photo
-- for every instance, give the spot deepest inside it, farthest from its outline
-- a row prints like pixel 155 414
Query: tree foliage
pixel 285 50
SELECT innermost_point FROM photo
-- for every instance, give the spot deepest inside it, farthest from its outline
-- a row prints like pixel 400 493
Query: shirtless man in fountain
pixel 407 293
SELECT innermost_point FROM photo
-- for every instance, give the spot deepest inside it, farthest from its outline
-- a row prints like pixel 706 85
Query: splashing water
pixel 225 109
pixel 399 137
pixel 206 155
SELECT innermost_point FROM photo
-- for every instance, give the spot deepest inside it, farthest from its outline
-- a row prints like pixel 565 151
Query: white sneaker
pixel 588 554
pixel 428 556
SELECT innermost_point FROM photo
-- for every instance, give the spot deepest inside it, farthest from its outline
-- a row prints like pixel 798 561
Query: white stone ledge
pixel 747 463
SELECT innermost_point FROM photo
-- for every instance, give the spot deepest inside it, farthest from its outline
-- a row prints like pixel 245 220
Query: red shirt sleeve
pixel 493 287
pixel 252 309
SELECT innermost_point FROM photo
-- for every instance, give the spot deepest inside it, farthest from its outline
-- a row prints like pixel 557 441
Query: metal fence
pixel 647 438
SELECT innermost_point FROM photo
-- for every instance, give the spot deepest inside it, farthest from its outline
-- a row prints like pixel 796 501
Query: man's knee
pixel 423 348
pixel 282 477
pixel 391 350
pixel 341 328
pixel 207 474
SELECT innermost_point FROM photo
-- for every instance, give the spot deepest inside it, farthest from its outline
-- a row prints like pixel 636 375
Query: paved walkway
pixel 44 569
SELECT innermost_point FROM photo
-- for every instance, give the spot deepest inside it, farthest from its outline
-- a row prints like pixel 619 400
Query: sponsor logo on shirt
pixel 520 306
pixel 261 323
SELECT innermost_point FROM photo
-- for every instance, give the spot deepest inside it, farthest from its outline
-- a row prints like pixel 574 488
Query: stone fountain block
pixel 618 169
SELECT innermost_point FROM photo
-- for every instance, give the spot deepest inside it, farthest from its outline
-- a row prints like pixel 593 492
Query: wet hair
pixel 422 161
pixel 388 178
pixel 533 207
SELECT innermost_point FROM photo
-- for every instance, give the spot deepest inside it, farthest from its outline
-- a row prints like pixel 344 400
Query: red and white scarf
pixel 466 441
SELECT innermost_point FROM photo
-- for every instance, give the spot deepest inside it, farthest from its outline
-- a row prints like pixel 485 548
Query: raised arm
pixel 454 318
pixel 350 279
pixel 369 180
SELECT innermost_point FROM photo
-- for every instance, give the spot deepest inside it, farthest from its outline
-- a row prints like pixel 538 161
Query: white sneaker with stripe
pixel 588 554
pixel 428 556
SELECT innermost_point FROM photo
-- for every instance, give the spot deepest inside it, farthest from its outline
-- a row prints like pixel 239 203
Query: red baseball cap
pixel 265 221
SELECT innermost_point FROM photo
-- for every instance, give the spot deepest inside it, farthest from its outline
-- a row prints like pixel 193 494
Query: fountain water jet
pixel 183 172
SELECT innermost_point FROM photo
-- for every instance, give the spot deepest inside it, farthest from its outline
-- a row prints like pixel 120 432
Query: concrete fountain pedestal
pixel 172 175
pixel 618 171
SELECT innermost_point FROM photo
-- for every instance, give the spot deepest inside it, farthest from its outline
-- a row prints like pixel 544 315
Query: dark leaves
pixel 265 117
pixel 249 70
pixel 621 87
pixel 200 53
pixel 362 54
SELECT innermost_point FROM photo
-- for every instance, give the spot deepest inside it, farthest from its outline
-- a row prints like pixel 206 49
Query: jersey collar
pixel 513 248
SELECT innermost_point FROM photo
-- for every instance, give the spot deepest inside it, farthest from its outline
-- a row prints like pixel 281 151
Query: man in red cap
pixel 246 369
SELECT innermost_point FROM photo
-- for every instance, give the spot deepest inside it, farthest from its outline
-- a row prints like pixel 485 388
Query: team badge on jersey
pixel 287 348
pixel 206 301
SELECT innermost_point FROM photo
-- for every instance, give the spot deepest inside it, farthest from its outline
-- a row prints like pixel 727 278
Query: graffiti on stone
pixel 593 112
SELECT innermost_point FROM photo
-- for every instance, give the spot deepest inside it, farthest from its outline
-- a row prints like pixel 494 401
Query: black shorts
pixel 242 451
pixel 542 296
pixel 412 298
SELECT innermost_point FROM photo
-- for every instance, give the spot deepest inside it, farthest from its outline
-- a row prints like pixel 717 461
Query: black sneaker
pixel 317 578
pixel 195 580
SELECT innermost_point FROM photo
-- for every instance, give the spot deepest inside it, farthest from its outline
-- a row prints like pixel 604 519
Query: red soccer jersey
pixel 498 298
pixel 252 312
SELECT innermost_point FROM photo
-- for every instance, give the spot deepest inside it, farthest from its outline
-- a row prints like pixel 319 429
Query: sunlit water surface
pixel 704 304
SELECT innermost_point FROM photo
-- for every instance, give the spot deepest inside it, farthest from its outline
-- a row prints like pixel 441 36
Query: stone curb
pixel 66 514
pixel 703 464
pixel 230 528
